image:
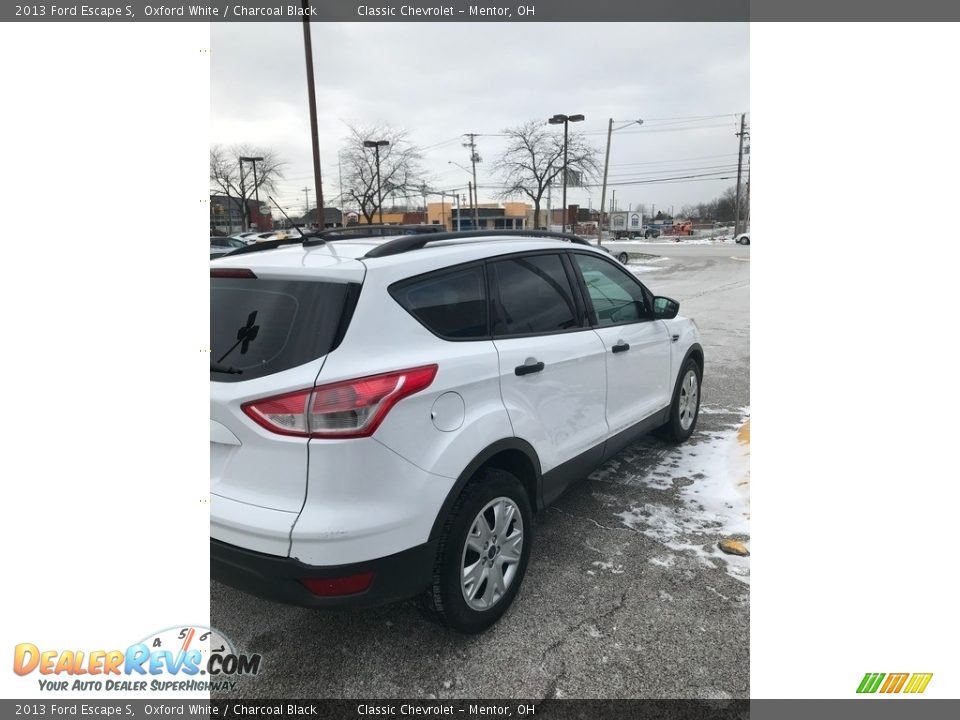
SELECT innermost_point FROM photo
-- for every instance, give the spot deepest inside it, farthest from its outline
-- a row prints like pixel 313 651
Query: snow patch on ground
pixel 713 481
pixel 610 567
pixel 641 269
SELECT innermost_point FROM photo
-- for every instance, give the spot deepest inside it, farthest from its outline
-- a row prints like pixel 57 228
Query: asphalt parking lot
pixel 626 594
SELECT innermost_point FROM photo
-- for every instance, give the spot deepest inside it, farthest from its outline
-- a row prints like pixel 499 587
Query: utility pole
pixel 423 190
pixel 474 159
pixel 613 202
pixel 736 216
pixel 746 214
pixel 476 225
pixel 603 193
pixel 306 206
pixel 312 95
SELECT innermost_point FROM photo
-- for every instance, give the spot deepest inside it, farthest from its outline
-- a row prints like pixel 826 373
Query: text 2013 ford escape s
pixel 388 413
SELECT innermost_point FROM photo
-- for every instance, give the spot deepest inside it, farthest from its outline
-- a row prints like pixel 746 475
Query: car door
pixel 637 347
pixel 552 365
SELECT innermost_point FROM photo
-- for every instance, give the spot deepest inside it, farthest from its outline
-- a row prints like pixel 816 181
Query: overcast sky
pixel 439 80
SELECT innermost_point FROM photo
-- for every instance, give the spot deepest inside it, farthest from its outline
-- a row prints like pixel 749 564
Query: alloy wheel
pixel 689 399
pixel 491 553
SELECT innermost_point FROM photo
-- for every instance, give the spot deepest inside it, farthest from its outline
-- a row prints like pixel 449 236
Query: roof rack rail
pixel 413 242
pixel 349 232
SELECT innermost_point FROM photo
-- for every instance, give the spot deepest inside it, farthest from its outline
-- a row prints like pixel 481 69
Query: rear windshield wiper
pixel 226 369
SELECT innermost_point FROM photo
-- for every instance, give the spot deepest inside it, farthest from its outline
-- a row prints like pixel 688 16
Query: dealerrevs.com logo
pixel 911 683
pixel 180 659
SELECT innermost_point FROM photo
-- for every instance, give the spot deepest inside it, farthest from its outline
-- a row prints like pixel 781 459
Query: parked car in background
pixel 247 236
pixel 388 413
pixel 743 238
pixel 222 245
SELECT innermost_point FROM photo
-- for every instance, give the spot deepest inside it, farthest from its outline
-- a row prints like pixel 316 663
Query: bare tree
pixel 226 177
pixel 400 171
pixel 533 159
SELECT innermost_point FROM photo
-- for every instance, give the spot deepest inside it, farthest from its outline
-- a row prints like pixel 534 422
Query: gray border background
pixel 874 708
pixel 545 10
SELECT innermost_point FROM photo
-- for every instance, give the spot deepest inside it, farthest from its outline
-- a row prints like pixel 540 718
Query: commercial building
pixel 226 216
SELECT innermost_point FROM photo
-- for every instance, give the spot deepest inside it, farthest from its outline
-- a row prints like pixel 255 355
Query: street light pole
pixel 606 167
pixel 376 145
pixel 256 185
pixel 243 201
pixel 565 120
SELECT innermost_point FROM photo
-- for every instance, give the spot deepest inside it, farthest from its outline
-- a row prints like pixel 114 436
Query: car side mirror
pixel 665 308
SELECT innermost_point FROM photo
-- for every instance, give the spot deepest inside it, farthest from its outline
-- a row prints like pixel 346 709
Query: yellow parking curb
pixel 733 547
pixel 743 435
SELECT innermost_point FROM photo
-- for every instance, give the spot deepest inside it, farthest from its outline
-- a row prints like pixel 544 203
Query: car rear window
pixel 451 304
pixel 259 327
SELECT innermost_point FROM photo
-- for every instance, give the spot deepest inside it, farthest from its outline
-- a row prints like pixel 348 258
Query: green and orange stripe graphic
pixel 894 682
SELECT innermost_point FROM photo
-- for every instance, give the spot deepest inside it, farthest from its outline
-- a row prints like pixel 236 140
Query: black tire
pixel 673 430
pixel 647 235
pixel 746 241
pixel 624 258
pixel 444 600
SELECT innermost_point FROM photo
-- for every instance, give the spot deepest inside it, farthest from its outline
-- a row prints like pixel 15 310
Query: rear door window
pixel 259 327
pixel 532 296
pixel 451 304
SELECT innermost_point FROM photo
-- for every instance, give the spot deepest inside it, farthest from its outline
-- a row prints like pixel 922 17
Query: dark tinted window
pixel 617 298
pixel 451 304
pixel 534 296
pixel 262 327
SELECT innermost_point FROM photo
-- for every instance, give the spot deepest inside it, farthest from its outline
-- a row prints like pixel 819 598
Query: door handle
pixel 528 368
pixel 621 346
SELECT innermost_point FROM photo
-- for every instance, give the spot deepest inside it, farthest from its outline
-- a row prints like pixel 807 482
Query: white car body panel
pixel 638 380
pixel 561 409
pixel 332 502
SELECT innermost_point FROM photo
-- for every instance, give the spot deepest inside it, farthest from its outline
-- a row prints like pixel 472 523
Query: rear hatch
pixel 270 331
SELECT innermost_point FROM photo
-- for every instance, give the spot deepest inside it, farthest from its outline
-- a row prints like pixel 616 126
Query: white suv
pixel 387 414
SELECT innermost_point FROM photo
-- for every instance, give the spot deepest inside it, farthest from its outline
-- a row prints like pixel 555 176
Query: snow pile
pixel 713 481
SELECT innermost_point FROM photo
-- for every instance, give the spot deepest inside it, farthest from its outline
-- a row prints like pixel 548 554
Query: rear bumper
pixel 395 577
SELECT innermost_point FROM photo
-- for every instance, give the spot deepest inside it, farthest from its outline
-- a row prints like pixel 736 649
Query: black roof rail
pixel 413 242
pixel 264 245
pixel 349 232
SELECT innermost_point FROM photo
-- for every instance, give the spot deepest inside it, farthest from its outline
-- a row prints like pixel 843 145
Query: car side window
pixel 532 296
pixel 616 297
pixel 452 305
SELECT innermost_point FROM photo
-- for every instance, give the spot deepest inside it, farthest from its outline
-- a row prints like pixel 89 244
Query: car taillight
pixel 347 409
